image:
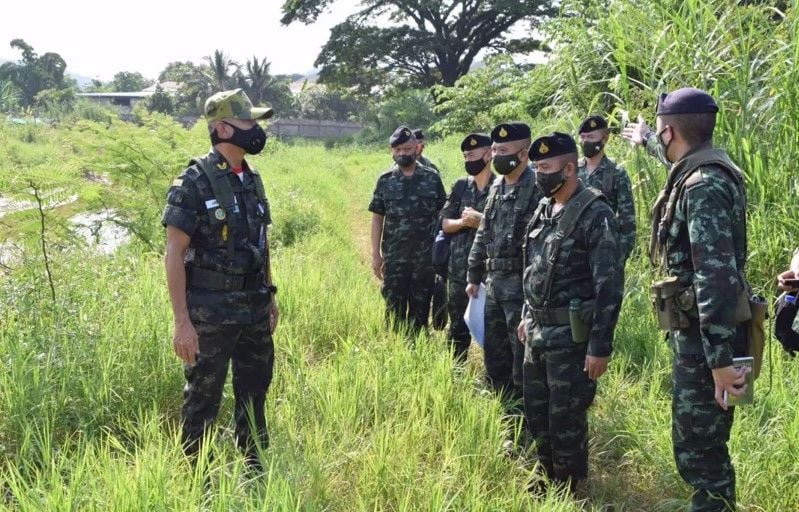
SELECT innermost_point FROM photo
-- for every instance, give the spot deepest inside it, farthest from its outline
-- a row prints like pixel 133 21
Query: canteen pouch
pixel 580 321
pixel 664 301
pixel 757 332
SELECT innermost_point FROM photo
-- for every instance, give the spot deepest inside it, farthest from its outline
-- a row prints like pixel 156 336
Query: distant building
pixel 125 101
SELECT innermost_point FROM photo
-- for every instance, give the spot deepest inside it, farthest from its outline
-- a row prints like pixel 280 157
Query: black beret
pixel 476 140
pixel 418 134
pixel 592 123
pixel 400 136
pixel 687 100
pixel 508 132
pixel 554 144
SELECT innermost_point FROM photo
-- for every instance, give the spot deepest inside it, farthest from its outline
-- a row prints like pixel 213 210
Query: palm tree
pixel 219 69
pixel 256 79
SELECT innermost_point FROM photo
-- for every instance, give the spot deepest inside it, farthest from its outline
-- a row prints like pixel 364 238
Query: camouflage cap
pixel 233 104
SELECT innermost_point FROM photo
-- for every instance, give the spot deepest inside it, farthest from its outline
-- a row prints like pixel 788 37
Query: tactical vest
pixel 572 212
pixel 520 206
pixel 662 217
pixel 223 193
pixel 608 178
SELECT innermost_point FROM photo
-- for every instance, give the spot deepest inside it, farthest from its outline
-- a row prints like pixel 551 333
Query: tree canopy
pixel 428 42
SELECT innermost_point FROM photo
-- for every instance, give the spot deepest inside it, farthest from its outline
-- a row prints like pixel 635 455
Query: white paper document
pixel 475 316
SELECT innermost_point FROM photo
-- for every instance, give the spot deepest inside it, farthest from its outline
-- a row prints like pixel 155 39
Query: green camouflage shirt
pixel 461 242
pixel 619 196
pixel 500 236
pixel 192 208
pixel 410 207
pixel 427 163
pixel 705 246
pixel 588 267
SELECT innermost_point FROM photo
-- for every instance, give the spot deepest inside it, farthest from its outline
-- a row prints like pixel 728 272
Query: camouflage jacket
pixel 410 206
pixel 192 208
pixel 426 162
pixel 496 254
pixel 705 247
pixel 588 267
pixel 461 242
pixel 619 196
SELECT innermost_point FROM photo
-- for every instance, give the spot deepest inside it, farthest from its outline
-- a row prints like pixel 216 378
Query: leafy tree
pixel 431 42
pixel 412 107
pixel 129 81
pixel 160 102
pixel 255 78
pixel 9 96
pixel 320 102
pixel 34 73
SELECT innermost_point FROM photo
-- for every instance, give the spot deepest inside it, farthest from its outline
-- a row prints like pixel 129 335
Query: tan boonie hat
pixel 234 104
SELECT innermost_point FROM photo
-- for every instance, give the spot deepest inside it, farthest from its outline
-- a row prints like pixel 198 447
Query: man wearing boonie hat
pixel 699 241
pixel 405 207
pixel 573 284
pixel 596 170
pixel 219 277
pixel 496 258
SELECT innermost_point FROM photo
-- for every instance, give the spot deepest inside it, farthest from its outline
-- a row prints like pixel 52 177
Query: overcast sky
pixel 98 38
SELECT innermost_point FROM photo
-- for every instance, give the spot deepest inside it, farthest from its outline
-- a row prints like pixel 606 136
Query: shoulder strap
pixel 223 193
pixel 566 225
pixel 607 180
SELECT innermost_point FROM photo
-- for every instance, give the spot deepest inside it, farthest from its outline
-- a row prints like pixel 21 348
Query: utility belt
pixel 221 281
pixel 579 315
pixel 507 264
pixel 675 308
pixel 246 257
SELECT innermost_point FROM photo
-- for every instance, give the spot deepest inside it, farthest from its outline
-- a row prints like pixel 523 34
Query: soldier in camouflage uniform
pixel 699 239
pixel 419 135
pixel 405 207
pixel 496 256
pixel 572 254
pixel 219 278
pixel 461 217
pixel 598 171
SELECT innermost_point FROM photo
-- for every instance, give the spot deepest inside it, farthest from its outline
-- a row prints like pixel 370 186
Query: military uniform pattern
pixel 705 244
pixel 499 239
pixel 251 351
pixel 409 206
pixel 620 198
pixel 460 245
pixel 426 162
pixel 229 324
pixel 557 392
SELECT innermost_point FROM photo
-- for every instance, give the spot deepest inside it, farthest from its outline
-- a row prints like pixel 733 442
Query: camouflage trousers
pixel 700 430
pixel 459 335
pixel 252 353
pixel 407 289
pixel 503 354
pixel 557 395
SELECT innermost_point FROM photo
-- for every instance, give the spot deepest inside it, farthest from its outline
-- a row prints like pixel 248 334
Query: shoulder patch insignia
pixel 178 182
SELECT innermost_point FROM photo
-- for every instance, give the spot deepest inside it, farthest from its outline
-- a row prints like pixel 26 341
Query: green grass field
pixel 90 390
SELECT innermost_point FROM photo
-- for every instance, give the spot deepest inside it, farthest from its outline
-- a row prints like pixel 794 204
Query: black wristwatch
pixel 272 288
pixel 648 136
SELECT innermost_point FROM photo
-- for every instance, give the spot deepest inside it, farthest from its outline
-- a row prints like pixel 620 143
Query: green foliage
pixel 9 96
pixel 320 102
pixel 129 81
pixel 33 73
pixel 411 107
pixel 160 102
pixel 428 43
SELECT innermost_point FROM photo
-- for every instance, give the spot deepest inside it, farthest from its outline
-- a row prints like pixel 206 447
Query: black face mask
pixel 252 140
pixel 592 149
pixel 404 160
pixel 663 147
pixel 475 167
pixel 506 164
pixel 550 183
